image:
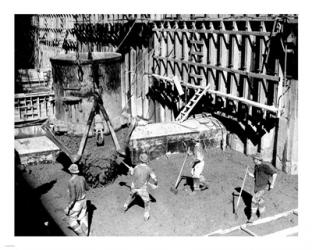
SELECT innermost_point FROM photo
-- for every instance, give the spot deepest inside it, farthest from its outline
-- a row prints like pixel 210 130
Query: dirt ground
pixel 183 214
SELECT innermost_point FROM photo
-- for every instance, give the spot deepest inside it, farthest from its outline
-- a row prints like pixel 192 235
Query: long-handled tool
pixel 240 193
pixel 119 160
pixel 174 189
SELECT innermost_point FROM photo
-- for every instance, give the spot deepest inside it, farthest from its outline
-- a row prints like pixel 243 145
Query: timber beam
pixel 211 31
pixel 222 94
pixel 229 70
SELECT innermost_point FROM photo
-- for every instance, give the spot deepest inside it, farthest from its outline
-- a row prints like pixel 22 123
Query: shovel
pixel 174 189
pixel 119 160
pixel 240 193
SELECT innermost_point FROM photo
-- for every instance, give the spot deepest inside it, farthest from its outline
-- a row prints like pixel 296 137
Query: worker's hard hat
pixel 143 157
pixel 73 168
pixel 257 156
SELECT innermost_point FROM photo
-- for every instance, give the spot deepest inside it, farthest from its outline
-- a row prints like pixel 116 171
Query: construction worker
pixel 76 209
pixel 141 173
pixel 199 183
pixel 265 175
pixel 99 129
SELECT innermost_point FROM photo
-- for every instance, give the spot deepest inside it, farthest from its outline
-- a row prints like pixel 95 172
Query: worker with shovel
pixel 199 182
pixel 141 173
pixel 76 210
pixel 265 175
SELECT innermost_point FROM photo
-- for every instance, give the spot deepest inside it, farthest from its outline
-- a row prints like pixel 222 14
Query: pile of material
pixel 98 163
pixel 100 172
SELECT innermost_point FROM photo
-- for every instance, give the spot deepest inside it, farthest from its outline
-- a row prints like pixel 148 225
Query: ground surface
pixel 182 214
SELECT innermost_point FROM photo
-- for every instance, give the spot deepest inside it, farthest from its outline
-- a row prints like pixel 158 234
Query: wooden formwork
pixel 34 106
pixel 242 60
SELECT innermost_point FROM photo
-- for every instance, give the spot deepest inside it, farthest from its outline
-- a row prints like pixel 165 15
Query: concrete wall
pixel 158 139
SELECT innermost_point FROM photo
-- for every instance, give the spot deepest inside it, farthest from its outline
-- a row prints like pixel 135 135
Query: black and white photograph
pixel 138 125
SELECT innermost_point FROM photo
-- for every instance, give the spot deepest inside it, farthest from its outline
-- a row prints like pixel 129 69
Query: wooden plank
pixel 203 71
pixel 223 31
pixel 150 65
pixel 246 101
pixel 212 57
pixel 257 222
pixel 234 71
pixel 282 123
pixel 196 56
pixel 236 56
pixel 39 94
pixel 178 53
pixel 139 80
pixel 279 98
pixel 267 140
pixel 156 69
pixel 51 136
pixel 185 60
pixel 146 71
pixel 292 131
pixel 133 82
pixel 250 147
pixel 284 232
pixel 222 94
pixel 127 77
pixel 163 53
pixel 224 55
pixel 262 85
pixel 170 71
pixel 123 84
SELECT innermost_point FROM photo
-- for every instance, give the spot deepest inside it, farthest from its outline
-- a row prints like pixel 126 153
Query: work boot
pixel 125 208
pixel 196 184
pixel 203 186
pixel 146 210
pixel 84 229
pixel 77 230
pixel 251 219
pixel 146 216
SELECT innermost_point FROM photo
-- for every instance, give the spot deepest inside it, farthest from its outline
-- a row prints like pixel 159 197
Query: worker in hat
pixel 264 179
pixel 99 128
pixel 142 174
pixel 199 182
pixel 77 206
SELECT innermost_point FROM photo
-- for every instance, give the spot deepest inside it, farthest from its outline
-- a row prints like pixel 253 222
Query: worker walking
pixel 142 174
pixel 99 129
pixel 199 182
pixel 77 206
pixel 265 175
